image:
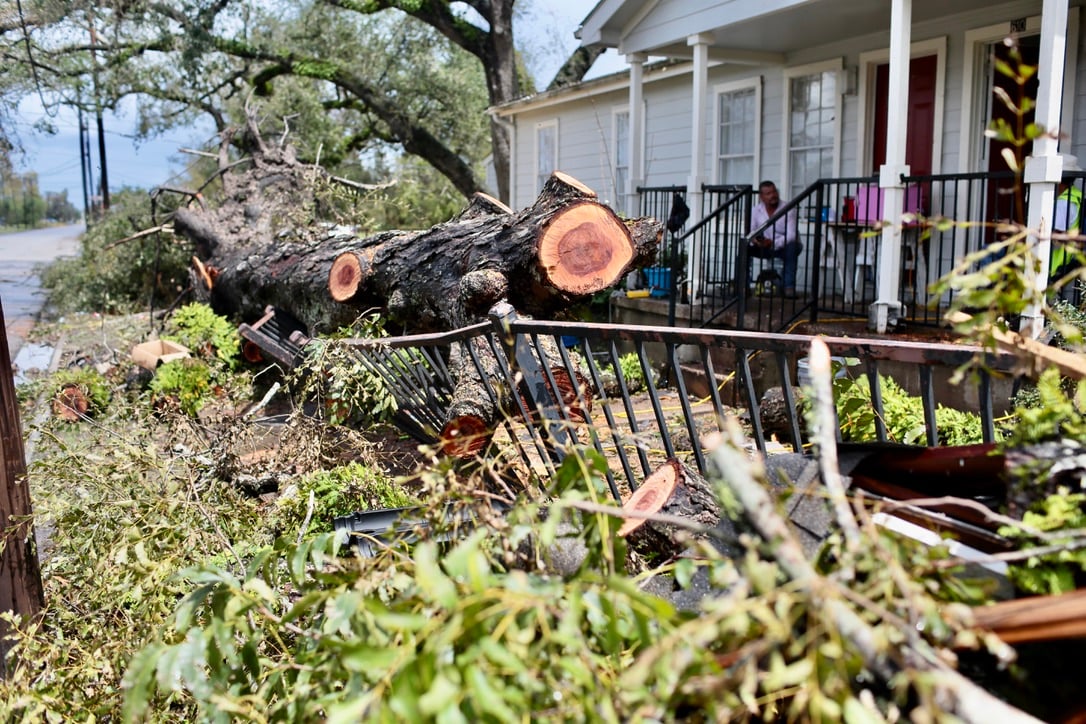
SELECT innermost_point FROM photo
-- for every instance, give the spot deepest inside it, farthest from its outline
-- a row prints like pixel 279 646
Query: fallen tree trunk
pixel 562 249
pixel 260 249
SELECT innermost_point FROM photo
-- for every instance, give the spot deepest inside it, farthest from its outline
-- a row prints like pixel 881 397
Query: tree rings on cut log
pixel 651 496
pixel 677 491
pixel 347 275
pixel 568 392
pixel 585 248
pixel 70 403
pixel 464 436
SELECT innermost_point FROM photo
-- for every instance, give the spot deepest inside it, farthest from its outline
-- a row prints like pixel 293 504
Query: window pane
pixel 546 152
pixel 829 88
pixel 813 128
pixel 735 132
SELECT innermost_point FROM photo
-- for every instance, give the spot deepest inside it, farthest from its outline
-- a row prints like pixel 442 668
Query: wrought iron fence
pixel 839 226
pixel 553 385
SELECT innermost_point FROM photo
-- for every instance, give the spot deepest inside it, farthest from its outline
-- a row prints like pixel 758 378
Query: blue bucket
pixel 659 281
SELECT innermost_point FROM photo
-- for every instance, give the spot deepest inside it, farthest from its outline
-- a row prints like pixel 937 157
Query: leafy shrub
pixel 335 492
pixel 126 520
pixel 112 277
pixel 904 415
pixel 630 364
pixel 91 383
pixel 1053 573
pixel 333 374
pixel 207 334
pixel 1057 411
pixel 455 634
pixel 188 381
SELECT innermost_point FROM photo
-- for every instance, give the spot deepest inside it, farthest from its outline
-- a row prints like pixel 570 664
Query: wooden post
pixel 20 575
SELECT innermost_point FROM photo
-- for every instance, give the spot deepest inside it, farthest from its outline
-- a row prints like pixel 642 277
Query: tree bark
pixel 577 64
pixel 563 248
pixel 21 589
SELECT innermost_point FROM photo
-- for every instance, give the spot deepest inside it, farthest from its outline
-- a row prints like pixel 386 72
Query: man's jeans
pixel 789 253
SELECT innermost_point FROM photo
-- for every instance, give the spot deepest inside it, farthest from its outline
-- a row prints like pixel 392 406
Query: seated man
pixel 780 240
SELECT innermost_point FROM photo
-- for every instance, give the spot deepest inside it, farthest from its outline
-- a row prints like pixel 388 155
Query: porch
pixel 714 282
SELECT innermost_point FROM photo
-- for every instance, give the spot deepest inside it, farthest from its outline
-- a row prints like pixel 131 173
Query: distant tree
pixel 59 208
pixel 21 203
pixel 378 72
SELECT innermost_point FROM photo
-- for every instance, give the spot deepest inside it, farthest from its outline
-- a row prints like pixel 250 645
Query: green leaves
pixel 308 506
pixel 904 414
pixel 205 333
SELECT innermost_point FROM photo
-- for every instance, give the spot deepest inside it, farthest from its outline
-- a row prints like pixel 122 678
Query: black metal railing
pixel 656 200
pixel 839 226
pixel 690 380
pixel 714 244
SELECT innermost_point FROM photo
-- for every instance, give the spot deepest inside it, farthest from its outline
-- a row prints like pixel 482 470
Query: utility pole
pixel 98 117
pixel 21 589
pixel 84 165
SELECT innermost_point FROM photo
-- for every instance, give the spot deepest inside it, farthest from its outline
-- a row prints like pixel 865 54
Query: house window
pixel 812 128
pixel 737 134
pixel 621 153
pixel 546 151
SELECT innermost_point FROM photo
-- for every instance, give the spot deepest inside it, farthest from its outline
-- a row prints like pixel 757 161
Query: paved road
pixel 20 293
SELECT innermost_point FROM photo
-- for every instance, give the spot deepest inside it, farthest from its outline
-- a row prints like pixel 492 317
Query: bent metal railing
pixel 692 379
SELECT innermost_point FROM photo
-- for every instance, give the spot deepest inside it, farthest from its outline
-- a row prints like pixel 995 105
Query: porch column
pixel 698 116
pixel 887 307
pixel 637 132
pixel 1045 167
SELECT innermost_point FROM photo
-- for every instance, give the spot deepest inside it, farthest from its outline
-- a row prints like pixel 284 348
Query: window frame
pixel 735 86
pixel 833 65
pixel 621 190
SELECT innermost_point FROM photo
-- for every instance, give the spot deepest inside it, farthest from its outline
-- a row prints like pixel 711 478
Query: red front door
pixel 920 125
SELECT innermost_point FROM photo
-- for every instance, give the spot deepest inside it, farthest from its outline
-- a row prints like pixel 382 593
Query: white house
pixel 799 91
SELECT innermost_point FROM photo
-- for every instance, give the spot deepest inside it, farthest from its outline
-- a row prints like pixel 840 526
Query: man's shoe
pixel 790 293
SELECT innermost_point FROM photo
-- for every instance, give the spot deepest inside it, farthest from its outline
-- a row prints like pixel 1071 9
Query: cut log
pixel 584 249
pixel 348 275
pixel 571 389
pixel 70 403
pixel 542 259
pixel 675 490
pixel 1038 618
pixel 472 415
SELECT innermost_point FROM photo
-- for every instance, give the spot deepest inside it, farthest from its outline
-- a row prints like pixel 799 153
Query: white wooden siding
pixel 586 127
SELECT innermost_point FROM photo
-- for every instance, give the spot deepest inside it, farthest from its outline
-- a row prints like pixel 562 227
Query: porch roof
pixel 750 30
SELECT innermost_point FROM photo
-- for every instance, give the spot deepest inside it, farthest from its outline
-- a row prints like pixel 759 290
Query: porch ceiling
pixel 776 32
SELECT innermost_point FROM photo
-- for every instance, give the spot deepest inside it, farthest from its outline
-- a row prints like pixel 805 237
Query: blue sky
pixel 153 162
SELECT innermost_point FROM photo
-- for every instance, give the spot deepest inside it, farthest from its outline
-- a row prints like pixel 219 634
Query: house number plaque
pixel 1018 25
